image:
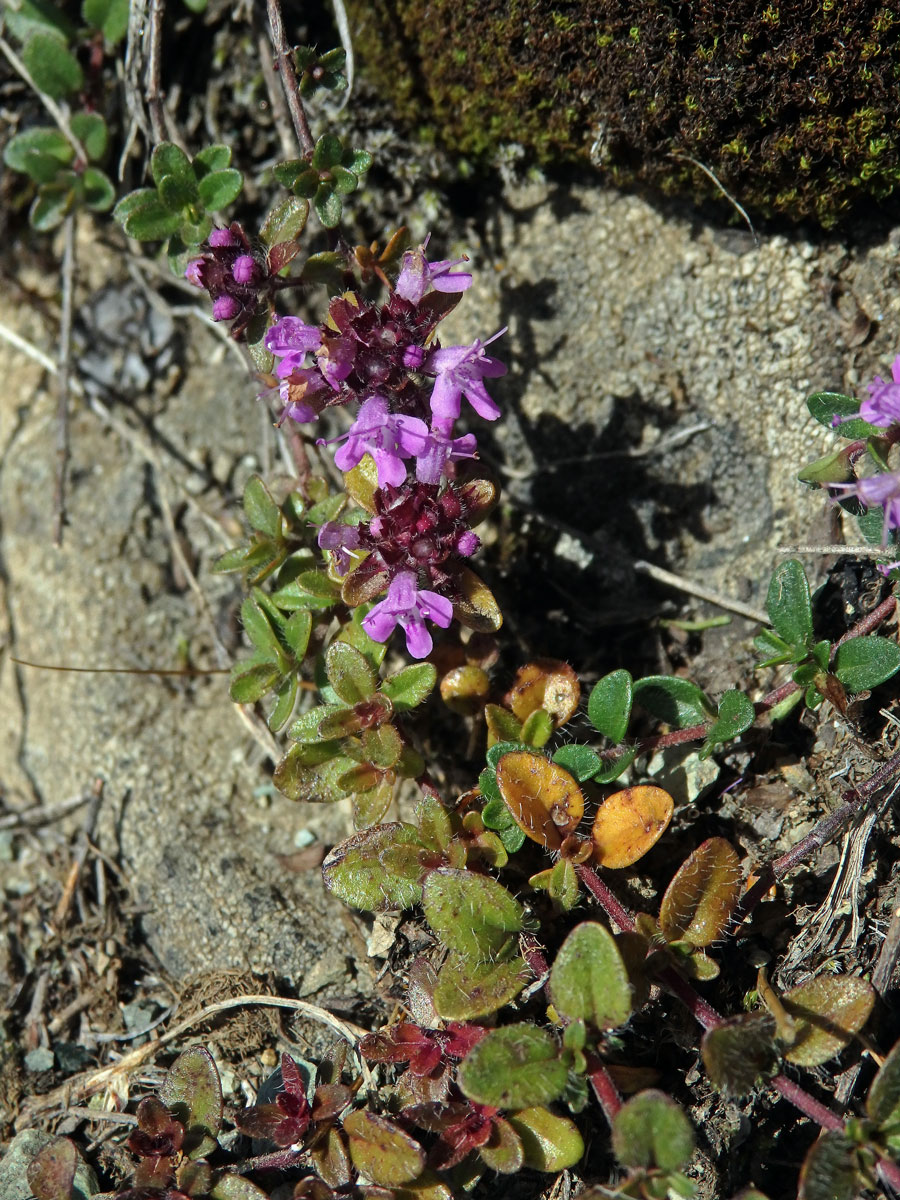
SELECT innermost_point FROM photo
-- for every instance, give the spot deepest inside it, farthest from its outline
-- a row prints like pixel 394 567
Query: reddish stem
pixel 284 63
pixel 604 897
pixel 604 1089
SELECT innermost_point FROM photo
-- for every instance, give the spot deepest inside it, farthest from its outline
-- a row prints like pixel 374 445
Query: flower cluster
pixel 410 390
pixel 882 409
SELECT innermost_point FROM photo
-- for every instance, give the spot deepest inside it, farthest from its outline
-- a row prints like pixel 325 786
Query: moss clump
pixel 794 107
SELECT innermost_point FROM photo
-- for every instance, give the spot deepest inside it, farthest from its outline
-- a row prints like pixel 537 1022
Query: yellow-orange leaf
pixel 629 823
pixel 545 801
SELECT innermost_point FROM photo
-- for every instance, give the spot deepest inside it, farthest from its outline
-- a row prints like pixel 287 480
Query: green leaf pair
pixel 331 173
pixel 63 185
pixel 186 193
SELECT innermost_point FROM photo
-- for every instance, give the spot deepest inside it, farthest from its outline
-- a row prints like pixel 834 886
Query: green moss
pixel 795 112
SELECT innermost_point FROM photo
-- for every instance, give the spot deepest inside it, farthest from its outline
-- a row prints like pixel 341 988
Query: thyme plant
pixel 516 1027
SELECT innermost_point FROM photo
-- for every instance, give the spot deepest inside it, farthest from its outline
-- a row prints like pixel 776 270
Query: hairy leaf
pixel 651 1130
pixel 472 914
pixel 609 705
pixel 589 980
pixel 700 899
pixel 545 800
pixel 514 1067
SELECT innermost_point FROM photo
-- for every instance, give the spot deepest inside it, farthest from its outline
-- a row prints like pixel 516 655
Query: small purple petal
pixel 419 641
pixel 413 357
pixel 291 336
pixel 193 272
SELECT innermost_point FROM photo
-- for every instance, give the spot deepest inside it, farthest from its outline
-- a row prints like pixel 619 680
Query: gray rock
pixel 21 1152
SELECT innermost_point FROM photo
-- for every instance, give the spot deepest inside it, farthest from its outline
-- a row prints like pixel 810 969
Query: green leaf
pixel 260 632
pixel 306 728
pixel 563 885
pixel 52 205
pixel 827 1012
pixel 550 1143
pixel 678 702
pixel 609 705
pixel 26 17
pixel 328 206
pixel 297 631
pixel 736 715
pixel 774 649
pixel 193 1092
pixel 883 1101
pixel 212 158
pixel 251 679
pixel 376 869
pixel 496 815
pixel 825 406
pixel 52 66
pixel 345 182
pixel 650 1130
pixel 514 1067
pixel 472 914
pixel 700 900
pixel 175 195
pixel 39 153
pixel 324 267
pixel 260 509
pixel 357 161
pixel 349 674
pixel 99 193
pixel 537 728
pixel 588 980
pixel 143 216
pixel 381 1150
pixel 836 467
pixel 740 1054
pixel 410 687
pixel 285 222
pixel 863 663
pixel 829 1171
pixel 109 16
pixel 467 990
pixel 169 159
pixel 788 603
pixel 285 699
pixel 218 189
pixel 382 747
pixel 327 153
pixel 496 752
pixel 313 773
pixel 580 761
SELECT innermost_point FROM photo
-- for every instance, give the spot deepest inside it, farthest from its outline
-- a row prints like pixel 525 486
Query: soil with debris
pixel 653 412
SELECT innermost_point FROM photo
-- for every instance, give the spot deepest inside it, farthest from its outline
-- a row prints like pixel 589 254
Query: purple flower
pixel 440 448
pixel 339 539
pixel 409 608
pixel 876 490
pixel 461 371
pixel 387 436
pixel 882 408
pixel 290 341
pixel 416 273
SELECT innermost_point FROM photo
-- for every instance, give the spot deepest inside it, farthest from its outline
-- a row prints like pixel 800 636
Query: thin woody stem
pixel 284 63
